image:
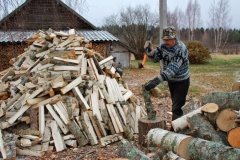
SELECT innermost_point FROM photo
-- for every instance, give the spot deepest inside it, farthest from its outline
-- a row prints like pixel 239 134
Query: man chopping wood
pixel 174 55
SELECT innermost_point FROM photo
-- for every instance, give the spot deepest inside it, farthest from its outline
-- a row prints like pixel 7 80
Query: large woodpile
pixel 59 93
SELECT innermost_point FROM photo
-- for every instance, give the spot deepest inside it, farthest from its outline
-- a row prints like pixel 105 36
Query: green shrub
pixel 197 53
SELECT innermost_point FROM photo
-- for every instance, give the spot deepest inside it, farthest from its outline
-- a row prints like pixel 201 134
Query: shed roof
pixel 91 35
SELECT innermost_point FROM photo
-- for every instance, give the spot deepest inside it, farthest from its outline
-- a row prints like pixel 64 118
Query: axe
pixel 149 38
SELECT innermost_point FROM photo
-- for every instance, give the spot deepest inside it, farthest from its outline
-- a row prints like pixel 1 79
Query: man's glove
pixel 153 83
pixel 148 47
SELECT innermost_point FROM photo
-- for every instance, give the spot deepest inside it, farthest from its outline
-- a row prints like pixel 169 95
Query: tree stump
pixel 234 137
pixel 144 125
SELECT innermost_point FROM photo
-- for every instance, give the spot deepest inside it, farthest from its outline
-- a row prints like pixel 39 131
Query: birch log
pixel 177 143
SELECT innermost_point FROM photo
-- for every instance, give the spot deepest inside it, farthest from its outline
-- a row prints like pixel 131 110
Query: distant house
pixel 44 14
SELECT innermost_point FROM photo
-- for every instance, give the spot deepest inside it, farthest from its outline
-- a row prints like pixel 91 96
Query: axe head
pixel 149 33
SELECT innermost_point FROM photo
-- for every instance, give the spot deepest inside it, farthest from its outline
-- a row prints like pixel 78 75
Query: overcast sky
pixel 98 9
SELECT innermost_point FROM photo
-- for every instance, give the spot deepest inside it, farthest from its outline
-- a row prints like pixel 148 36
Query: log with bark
pixel 226 120
pixel 236 86
pixel 203 128
pixel 170 141
pixel 203 149
pixel 211 112
pixel 224 100
pixel 234 137
pixel 128 150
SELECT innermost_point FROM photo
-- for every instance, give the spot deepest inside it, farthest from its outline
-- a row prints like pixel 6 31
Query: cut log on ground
pixel 236 86
pixel 171 156
pixel 181 123
pixel 127 150
pixel 226 120
pixel 224 100
pixel 203 128
pixel 177 143
pixel 234 137
pixel 145 125
pixel 203 149
pixel 191 106
pixel 211 112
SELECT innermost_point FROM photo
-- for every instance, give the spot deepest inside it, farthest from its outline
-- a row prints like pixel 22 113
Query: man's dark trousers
pixel 178 90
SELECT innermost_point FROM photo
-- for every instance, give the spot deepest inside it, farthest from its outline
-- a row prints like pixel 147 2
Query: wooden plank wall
pixel 10 50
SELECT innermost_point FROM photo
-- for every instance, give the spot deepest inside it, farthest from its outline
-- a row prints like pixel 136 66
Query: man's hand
pixel 152 83
pixel 148 47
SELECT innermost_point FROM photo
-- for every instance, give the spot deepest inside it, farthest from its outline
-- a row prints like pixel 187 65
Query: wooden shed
pixel 33 15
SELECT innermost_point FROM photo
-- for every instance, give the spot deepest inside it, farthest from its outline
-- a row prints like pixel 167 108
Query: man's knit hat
pixel 169 33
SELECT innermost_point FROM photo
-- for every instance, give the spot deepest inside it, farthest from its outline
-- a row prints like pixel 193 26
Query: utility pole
pixel 163 22
pixel 163 16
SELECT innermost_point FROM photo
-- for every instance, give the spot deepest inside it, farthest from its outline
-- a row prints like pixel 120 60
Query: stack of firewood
pixel 60 93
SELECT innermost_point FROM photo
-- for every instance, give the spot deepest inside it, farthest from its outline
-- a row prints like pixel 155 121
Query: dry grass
pixel 225 57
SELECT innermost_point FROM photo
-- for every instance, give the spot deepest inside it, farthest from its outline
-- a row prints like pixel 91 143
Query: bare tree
pixel 172 18
pixel 219 20
pixel 111 20
pixel 133 21
pixel 78 5
pixel 177 19
pixel 193 17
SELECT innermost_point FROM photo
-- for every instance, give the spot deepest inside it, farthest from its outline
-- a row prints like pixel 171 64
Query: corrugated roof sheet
pixel 98 35
pixel 15 36
pixel 91 35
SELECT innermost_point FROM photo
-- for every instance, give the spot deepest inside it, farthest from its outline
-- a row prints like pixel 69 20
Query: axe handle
pixel 144 59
